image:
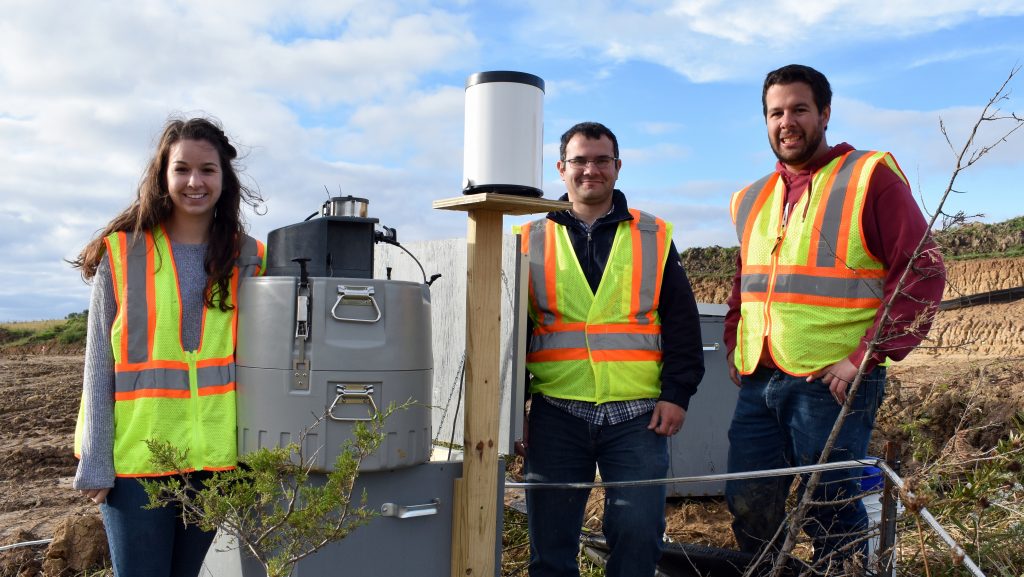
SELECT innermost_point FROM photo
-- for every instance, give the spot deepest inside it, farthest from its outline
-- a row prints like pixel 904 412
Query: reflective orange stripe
pixel 160 474
pixel 165 364
pixel 811 270
pixel 157 364
pixel 150 291
pixel 758 206
pixel 525 244
pixel 234 318
pixel 178 472
pixel 638 268
pixel 822 212
pixel 221 362
pixel 123 253
pixel 550 271
pixel 659 278
pixel 826 301
pixel 624 328
pixel 559 328
pixel 627 355
pixel 152 394
pixel 552 355
pixel 843 245
pixel 261 251
pixel 218 390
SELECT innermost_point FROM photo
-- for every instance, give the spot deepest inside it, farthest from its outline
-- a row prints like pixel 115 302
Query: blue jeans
pixel 563 448
pixel 151 542
pixel 783 421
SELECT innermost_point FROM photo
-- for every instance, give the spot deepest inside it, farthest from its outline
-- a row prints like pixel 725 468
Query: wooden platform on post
pixel 473 516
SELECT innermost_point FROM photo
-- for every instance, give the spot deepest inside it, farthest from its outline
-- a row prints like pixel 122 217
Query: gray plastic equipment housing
pixel 367 345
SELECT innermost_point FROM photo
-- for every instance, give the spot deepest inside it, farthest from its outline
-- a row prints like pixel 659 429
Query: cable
pixel 458 404
pixel 25 544
pixel 383 237
pixel 718 477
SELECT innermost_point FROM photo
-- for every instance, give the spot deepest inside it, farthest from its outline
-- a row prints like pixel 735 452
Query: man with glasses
pixel 614 356
pixel 824 241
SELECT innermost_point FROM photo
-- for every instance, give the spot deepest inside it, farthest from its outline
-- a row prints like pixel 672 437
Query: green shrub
pixel 267 504
pixel 74 328
pixel 980 501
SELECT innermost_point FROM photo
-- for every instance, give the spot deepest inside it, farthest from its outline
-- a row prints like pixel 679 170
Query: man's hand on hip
pixel 667 418
pixel 838 378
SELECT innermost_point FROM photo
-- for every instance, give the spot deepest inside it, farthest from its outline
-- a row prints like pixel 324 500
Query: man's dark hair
pixel 590 130
pixel 799 73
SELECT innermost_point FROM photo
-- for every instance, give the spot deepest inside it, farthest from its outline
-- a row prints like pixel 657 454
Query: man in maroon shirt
pixel 824 241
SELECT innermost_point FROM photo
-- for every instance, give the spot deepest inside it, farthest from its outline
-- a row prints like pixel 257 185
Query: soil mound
pixel 970 277
pixel 79 544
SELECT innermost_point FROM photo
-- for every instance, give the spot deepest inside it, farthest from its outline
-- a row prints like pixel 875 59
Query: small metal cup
pixel 346 206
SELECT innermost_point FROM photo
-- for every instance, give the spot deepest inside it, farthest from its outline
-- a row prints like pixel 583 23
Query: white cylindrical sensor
pixel 504 134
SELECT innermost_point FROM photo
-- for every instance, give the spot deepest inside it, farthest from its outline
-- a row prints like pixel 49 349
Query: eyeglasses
pixel 601 162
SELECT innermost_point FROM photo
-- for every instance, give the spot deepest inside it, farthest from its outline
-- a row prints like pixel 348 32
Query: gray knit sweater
pixel 96 465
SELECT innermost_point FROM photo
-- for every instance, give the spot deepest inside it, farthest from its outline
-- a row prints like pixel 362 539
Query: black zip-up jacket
pixel 682 349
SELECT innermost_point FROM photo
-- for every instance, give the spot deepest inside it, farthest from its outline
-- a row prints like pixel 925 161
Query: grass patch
pixel 515 549
pixel 1014 252
pixel 31 326
pixel 69 331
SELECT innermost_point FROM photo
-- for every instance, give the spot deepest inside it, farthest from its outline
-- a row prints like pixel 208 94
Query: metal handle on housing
pixel 712 347
pixel 358 295
pixel 349 394
pixel 409 511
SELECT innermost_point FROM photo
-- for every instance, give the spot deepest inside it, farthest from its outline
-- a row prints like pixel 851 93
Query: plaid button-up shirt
pixel 611 413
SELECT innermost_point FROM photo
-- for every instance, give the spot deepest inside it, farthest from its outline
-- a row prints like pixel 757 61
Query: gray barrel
pixel 367 345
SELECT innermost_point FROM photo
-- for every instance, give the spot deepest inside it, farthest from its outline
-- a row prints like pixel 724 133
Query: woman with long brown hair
pixel 161 341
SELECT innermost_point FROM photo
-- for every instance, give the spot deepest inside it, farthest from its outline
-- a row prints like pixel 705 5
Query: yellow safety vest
pixel 161 391
pixel 810 286
pixel 596 347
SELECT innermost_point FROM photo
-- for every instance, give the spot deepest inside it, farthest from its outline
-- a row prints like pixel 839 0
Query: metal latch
pixel 303 312
pixel 410 511
pixel 302 317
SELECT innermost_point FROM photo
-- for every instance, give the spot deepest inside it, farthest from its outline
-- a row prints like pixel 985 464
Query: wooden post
pixel 474 522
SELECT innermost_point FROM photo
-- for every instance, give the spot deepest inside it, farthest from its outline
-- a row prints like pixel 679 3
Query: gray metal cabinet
pixel 390 545
pixel 702 446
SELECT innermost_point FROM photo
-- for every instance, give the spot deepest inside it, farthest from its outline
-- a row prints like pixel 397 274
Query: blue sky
pixel 366 98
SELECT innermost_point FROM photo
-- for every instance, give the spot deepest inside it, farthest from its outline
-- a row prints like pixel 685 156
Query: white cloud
pixel 316 94
pixel 365 98
pixel 656 153
pixel 915 136
pixel 695 224
pixel 964 54
pixel 660 128
pixel 710 40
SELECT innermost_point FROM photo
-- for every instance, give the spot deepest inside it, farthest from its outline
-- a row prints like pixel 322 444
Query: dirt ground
pixel 976 387
pixel 39 397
